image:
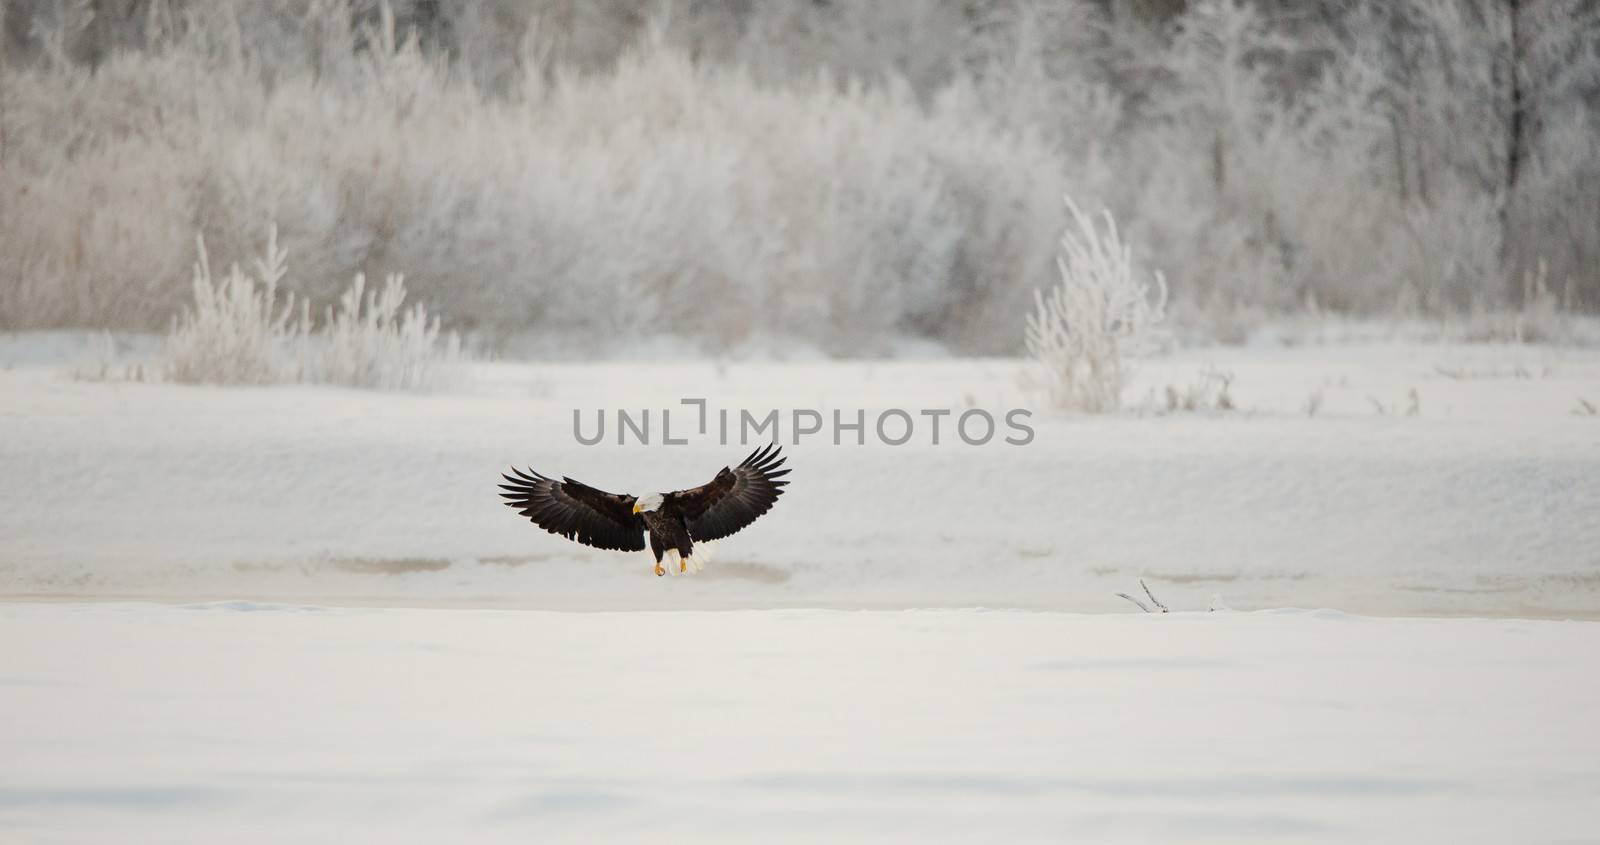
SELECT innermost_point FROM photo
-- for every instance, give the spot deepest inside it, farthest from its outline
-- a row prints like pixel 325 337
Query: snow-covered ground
pixel 1432 479
pixel 242 722
pixel 341 633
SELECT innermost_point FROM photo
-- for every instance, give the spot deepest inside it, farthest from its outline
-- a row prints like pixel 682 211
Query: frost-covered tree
pixel 843 171
pixel 1087 330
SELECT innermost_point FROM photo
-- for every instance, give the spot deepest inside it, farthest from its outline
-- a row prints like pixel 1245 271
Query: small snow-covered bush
pixel 241 331
pixel 236 331
pixel 371 342
pixel 1087 328
pixel 1209 392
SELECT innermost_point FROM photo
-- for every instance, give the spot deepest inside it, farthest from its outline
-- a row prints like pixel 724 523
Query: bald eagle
pixel 675 521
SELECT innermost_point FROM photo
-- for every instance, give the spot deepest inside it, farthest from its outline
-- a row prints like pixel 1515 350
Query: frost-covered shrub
pixel 237 331
pixel 1208 392
pixel 241 330
pixel 1085 332
pixel 371 340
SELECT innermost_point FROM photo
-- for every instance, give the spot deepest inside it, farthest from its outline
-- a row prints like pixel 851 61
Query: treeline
pixel 842 171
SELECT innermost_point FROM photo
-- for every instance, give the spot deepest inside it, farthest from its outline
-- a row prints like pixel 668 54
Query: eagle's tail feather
pixel 696 561
pixel 703 552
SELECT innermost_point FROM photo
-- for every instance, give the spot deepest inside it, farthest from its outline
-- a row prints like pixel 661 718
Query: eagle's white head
pixel 647 503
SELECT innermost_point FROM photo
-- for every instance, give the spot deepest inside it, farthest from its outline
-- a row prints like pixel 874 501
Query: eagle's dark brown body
pixel 673 521
pixel 668 531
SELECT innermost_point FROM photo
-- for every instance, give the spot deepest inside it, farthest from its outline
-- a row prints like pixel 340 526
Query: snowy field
pixel 301 614
pixel 244 722
pixel 1431 480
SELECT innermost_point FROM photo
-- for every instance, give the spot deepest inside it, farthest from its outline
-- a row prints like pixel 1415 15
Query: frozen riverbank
pixel 1483 502
pixel 261 723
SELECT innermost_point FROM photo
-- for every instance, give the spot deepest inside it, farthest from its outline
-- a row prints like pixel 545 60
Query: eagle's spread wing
pixel 734 498
pixel 576 511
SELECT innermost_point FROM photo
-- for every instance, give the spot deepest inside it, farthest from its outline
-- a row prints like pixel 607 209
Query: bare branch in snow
pixel 1153 600
pixel 1135 601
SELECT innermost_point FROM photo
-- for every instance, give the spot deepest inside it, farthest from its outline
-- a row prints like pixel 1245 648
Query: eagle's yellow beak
pixel 635 507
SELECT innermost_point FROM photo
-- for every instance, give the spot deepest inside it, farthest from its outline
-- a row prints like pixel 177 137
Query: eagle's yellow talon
pixel 659 571
pixel 683 565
